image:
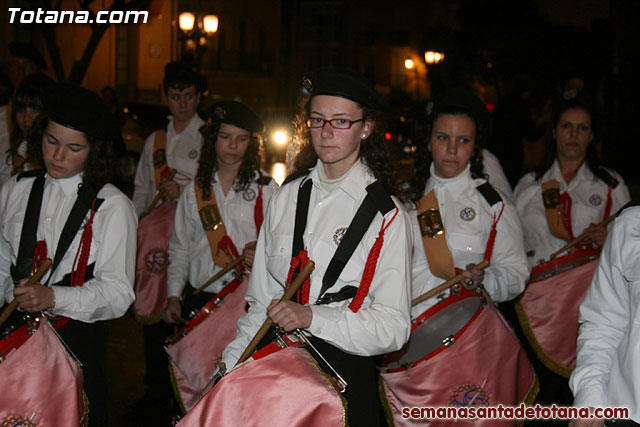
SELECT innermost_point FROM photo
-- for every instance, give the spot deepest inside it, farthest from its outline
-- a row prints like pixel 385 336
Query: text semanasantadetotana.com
pixel 41 16
pixel 501 412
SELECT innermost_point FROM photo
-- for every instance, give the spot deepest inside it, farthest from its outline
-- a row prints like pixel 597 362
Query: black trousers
pixel 363 400
pixel 88 342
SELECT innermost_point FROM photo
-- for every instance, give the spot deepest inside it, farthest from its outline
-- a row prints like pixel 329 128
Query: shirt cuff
pixel 590 396
pixel 323 320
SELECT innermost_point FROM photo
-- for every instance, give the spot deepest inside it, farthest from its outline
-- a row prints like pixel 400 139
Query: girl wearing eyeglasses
pixel 349 311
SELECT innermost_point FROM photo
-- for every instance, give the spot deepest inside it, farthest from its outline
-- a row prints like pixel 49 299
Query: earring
pixel 364 135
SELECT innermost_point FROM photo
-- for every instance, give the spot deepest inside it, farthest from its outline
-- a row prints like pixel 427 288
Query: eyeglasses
pixel 317 122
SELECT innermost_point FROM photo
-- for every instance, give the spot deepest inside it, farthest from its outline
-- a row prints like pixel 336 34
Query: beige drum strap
pixel 159 156
pixel 553 212
pixel 434 239
pixel 18 163
pixel 222 249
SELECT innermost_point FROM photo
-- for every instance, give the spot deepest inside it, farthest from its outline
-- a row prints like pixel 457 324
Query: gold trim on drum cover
pixel 430 223
pixel 210 216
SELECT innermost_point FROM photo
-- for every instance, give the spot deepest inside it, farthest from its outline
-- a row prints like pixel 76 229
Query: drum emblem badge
pixel 156 260
pixel 339 234
pixel 469 395
pixel 210 216
pixel 159 158
pixel 16 420
pixel 595 200
pixel 193 154
pixel 249 195
pixel 467 214
pixel 430 223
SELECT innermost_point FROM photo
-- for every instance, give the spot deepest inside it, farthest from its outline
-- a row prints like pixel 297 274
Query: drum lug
pixel 218 301
pixel 449 341
pixel 192 314
pixel 455 289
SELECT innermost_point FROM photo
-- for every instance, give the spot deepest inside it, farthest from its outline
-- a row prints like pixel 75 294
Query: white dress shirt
pixel 189 249
pixel 468 218
pixel 113 247
pixel 589 197
pixel 382 324
pixel 182 152
pixel 608 360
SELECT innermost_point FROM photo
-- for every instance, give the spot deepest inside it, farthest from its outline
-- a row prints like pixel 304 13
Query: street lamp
pixel 410 65
pixel 195 30
pixel 431 57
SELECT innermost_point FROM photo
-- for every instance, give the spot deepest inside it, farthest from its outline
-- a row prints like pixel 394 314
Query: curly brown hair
pixel 209 160
pixel 422 132
pixel 373 151
pixel 100 166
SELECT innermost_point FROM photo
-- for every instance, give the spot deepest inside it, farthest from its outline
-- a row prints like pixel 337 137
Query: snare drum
pixel 461 353
pixel 41 382
pixel 195 351
pixel 549 307
pixel 277 387
pixel 15 332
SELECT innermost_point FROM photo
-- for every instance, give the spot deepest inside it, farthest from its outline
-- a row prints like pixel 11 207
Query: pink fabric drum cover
pixel 481 364
pixel 152 261
pixel 285 388
pixel 548 309
pixel 41 384
pixel 194 357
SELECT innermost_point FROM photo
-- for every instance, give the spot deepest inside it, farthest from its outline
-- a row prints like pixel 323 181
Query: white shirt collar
pixel 68 185
pixel 456 185
pixel 355 179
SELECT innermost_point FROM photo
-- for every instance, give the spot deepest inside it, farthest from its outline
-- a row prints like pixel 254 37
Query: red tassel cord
pixel 80 262
pixel 370 267
pixel 492 235
pixel 227 246
pixel 82 256
pixel 564 203
pixel 299 261
pixel 257 209
pixel 39 255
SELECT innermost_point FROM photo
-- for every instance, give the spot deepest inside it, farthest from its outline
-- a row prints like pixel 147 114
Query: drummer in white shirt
pixel 591 190
pixel 450 168
pixel 229 169
pixel 352 316
pixel 183 88
pixel 82 219
pixel 607 371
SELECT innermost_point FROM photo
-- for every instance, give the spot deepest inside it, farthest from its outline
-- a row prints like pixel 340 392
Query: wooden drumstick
pixel 35 278
pixel 288 294
pixel 578 239
pixel 159 194
pixel 446 285
pixel 221 273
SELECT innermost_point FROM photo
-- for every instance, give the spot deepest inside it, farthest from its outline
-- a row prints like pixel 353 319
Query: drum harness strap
pixel 31 253
pixel 563 203
pixel 377 200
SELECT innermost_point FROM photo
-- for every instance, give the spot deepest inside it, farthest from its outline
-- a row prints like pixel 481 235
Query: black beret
pixel 345 83
pixel 77 108
pixel 180 73
pixel 25 50
pixel 236 114
pixel 460 98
